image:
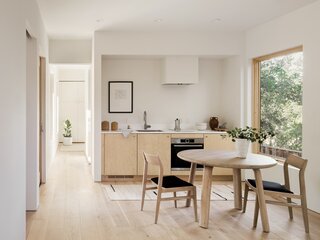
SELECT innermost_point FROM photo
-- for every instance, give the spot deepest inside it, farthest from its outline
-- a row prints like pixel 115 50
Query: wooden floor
pixel 74 207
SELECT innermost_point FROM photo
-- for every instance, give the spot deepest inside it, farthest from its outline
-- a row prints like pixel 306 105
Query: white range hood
pixel 180 70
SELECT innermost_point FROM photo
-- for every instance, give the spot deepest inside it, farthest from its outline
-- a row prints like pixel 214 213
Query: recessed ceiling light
pixel 158 20
pixel 216 20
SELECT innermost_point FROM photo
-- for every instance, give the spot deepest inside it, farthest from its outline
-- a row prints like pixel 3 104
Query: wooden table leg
pixel 237 188
pixel 191 180
pixel 262 202
pixel 205 196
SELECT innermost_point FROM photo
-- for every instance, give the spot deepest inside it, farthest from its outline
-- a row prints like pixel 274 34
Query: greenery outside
pixel 281 100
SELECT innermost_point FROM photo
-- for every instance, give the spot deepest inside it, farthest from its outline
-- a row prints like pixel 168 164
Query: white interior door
pixel 72 107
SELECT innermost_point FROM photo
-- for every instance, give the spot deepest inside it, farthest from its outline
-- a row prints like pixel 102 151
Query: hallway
pixel 72 206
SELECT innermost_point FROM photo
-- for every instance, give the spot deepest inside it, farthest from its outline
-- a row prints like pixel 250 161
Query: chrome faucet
pixel 145 126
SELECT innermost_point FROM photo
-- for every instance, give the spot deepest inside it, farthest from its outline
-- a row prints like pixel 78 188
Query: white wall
pixel 190 103
pixel 13 102
pixel 13 120
pixel 231 106
pixel 52 114
pixel 35 26
pixel 32 152
pixel 154 44
pixel 70 51
pixel 72 107
pixel 294 29
pixel 88 101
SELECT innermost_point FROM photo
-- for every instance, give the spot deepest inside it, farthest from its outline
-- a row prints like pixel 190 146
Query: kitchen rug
pixel 132 192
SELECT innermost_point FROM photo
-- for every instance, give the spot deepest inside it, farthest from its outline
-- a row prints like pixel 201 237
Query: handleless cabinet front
pixel 217 142
pixel 120 154
pixel 154 144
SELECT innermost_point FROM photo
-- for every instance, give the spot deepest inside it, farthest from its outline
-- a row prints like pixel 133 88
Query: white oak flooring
pixel 72 206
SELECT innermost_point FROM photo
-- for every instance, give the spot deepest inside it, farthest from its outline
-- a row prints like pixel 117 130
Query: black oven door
pixel 176 162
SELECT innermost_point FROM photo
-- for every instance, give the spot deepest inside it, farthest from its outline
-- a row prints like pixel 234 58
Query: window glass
pixel 281 103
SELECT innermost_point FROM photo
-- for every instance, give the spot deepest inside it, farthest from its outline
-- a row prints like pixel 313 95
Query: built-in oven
pixel 180 144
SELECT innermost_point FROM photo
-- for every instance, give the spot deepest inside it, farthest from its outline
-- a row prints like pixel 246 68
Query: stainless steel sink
pixel 149 130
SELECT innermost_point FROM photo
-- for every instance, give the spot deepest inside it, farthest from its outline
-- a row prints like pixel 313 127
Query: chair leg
pixel 305 213
pixel 245 198
pixel 290 208
pixel 175 201
pixel 143 195
pixel 256 213
pixel 195 204
pixel 157 206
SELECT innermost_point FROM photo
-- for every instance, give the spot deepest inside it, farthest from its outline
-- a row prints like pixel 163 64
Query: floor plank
pixel 72 206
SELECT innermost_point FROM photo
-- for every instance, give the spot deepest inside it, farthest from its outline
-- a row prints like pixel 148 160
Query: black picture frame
pixel 120 97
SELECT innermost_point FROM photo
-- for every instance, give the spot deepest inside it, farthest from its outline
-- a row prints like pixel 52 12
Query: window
pixel 278 101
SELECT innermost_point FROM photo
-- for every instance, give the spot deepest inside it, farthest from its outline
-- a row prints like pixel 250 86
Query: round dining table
pixel 227 159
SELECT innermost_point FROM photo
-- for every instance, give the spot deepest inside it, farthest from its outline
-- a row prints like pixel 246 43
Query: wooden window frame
pixel 256 103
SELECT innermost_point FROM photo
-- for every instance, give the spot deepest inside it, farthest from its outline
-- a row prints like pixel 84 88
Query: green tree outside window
pixel 281 100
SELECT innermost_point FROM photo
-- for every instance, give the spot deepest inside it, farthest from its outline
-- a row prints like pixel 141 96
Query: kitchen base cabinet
pixel 154 144
pixel 123 156
pixel 102 154
pixel 216 142
pixel 120 154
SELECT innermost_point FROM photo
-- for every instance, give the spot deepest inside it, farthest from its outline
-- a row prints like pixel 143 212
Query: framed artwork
pixel 120 96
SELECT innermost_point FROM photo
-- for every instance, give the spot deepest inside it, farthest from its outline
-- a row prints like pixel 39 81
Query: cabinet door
pixel 102 154
pixel 120 154
pixel 216 142
pixel 154 144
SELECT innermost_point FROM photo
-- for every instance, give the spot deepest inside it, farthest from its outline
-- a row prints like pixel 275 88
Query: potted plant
pixel 67 136
pixel 243 136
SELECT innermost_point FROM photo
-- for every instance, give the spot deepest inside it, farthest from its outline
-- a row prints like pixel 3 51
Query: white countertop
pixel 168 131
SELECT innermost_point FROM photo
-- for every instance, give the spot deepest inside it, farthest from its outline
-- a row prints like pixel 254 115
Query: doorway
pixel 73 103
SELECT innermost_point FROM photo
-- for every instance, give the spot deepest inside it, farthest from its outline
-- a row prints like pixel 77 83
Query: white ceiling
pixel 80 18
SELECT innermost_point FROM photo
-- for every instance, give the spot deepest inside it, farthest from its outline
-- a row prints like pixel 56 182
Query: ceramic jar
pixel 105 126
pixel 114 126
pixel 213 123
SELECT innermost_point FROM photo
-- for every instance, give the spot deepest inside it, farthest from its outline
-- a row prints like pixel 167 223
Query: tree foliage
pixel 281 100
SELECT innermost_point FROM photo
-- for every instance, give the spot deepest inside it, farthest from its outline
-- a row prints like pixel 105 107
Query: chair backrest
pixel 301 164
pixel 297 161
pixel 152 159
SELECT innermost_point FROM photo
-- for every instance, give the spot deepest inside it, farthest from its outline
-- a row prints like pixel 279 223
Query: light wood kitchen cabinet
pixel 216 142
pixel 154 144
pixel 102 154
pixel 120 154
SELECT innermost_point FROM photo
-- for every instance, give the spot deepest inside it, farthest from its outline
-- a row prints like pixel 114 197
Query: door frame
pixel 42 119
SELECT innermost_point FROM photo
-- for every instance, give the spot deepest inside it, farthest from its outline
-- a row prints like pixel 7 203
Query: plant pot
pixel 242 147
pixel 67 141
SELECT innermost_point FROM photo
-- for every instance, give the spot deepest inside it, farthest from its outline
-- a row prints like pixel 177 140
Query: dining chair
pixel 282 193
pixel 165 184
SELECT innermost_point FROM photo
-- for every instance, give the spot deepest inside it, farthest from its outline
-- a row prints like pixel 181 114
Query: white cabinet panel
pixel 180 70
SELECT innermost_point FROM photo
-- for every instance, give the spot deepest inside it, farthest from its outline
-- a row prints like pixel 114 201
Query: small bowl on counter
pixel 201 126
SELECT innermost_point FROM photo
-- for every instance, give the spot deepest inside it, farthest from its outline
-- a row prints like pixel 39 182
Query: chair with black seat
pixel 282 193
pixel 166 184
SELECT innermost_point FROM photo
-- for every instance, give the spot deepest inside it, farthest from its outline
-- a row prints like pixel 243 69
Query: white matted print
pixel 120 96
